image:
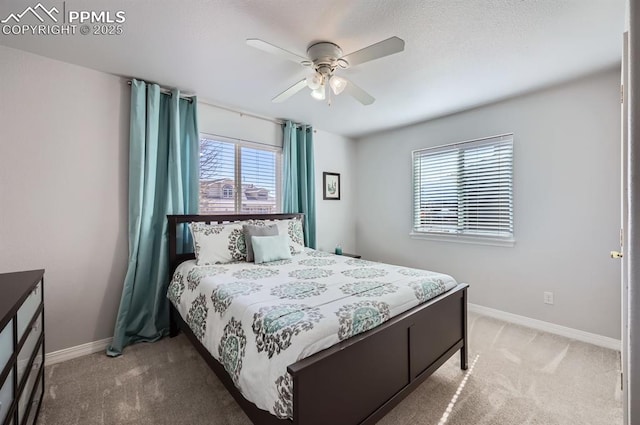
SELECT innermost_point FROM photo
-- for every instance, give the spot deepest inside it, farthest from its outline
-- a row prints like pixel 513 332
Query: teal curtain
pixel 163 179
pixel 299 176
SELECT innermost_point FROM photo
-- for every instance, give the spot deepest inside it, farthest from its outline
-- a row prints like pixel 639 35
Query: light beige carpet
pixel 519 376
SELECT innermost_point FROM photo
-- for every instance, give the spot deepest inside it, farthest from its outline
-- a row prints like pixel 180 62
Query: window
pixel 227 191
pixel 464 191
pixel 238 177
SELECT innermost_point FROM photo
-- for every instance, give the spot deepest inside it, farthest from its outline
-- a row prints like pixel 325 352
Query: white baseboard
pixel 599 340
pixel 595 339
pixel 77 351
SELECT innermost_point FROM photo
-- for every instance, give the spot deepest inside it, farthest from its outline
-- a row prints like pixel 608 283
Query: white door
pixel 624 94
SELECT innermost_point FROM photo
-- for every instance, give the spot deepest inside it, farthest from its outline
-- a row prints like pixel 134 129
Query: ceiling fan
pixel 325 58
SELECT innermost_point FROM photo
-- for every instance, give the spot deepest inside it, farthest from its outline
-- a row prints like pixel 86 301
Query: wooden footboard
pixel 361 379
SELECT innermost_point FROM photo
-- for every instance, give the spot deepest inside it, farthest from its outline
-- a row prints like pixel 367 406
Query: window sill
pixel 474 240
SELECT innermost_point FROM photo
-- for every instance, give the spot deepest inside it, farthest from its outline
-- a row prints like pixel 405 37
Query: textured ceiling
pixel 458 54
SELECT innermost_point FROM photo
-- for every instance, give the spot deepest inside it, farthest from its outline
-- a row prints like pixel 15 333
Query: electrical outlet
pixel 548 297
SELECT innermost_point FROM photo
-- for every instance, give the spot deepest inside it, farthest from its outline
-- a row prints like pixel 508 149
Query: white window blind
pixel 465 189
pixel 238 177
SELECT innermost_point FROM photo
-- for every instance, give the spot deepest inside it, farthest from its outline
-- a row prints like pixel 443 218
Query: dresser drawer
pixel 28 309
pixel 6 345
pixel 25 396
pixel 27 349
pixel 6 396
pixel 36 401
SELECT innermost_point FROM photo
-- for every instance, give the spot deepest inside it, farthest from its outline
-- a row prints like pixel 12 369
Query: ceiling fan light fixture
pixel 319 93
pixel 314 81
pixel 337 84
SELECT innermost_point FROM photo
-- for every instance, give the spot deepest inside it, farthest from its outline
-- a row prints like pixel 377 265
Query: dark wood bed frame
pixel 359 380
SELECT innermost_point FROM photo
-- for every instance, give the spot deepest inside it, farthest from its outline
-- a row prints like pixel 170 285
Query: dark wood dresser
pixel 21 347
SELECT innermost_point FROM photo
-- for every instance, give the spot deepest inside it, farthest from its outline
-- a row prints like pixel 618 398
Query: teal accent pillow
pixel 270 248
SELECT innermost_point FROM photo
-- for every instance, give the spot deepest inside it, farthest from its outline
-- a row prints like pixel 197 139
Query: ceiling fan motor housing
pixel 325 56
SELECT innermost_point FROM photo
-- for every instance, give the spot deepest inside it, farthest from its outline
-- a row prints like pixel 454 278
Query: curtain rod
pixel 241 113
pixel 168 91
pixel 247 114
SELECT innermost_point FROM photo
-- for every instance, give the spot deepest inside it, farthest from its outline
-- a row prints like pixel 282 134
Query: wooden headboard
pixel 175 220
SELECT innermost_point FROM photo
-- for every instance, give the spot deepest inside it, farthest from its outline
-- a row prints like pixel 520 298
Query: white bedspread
pixel 258 319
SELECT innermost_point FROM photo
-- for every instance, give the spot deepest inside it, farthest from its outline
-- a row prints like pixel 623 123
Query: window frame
pixel 483 239
pixel 237 178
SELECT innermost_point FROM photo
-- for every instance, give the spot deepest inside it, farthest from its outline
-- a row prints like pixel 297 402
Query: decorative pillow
pixel 271 248
pixel 293 228
pixel 218 243
pixel 251 230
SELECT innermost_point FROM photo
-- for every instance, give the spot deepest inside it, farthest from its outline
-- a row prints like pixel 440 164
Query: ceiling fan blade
pixel 359 94
pixel 290 91
pixel 275 50
pixel 376 51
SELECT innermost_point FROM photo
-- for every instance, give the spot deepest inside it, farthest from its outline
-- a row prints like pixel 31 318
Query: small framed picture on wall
pixel 331 184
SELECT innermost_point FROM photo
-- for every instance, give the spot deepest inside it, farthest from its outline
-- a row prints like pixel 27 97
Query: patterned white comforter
pixel 257 319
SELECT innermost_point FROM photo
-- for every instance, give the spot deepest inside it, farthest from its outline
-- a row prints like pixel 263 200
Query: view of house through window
pixel 238 177
pixel 465 189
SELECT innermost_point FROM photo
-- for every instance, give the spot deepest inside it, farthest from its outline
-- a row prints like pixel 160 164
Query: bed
pixel 362 374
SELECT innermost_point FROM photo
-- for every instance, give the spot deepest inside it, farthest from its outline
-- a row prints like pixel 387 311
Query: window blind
pixel 465 189
pixel 238 177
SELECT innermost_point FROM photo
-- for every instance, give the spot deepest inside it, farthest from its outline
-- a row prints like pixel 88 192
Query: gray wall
pixel 566 200
pixel 63 189
pixel 336 219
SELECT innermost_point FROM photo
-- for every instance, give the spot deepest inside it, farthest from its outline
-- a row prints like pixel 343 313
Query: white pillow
pixel 293 228
pixel 218 243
